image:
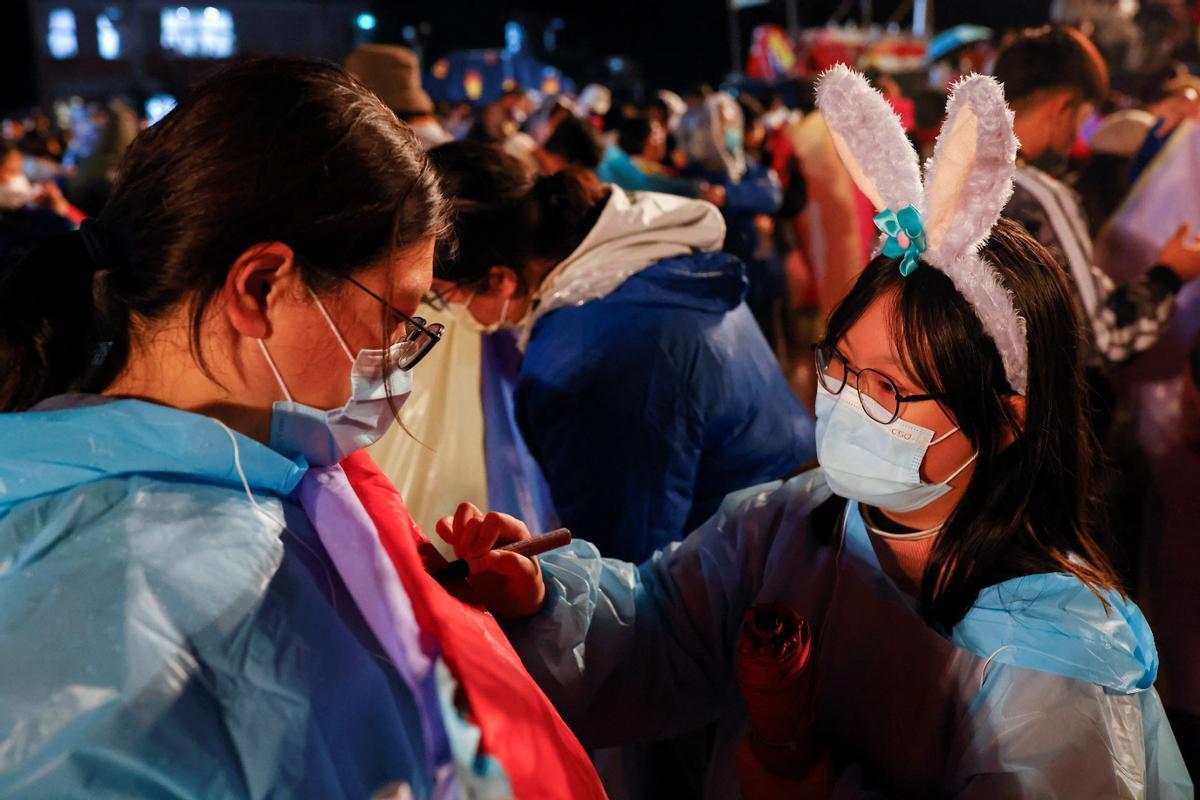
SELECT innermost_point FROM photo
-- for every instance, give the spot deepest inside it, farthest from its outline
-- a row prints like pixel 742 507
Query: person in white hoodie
pixel 931 614
pixel 646 392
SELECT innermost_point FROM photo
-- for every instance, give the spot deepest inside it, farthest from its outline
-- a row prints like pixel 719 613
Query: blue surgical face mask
pixel 877 465
pixel 326 437
pixel 734 139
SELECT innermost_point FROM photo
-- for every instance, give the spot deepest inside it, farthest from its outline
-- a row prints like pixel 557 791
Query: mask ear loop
pixel 945 436
pixel 237 465
pixel 275 370
pixel 332 327
pixel 959 471
pixel 966 463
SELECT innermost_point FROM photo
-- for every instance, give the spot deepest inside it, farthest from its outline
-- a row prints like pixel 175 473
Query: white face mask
pixel 15 193
pixel 776 118
pixel 877 465
pixel 326 437
pixel 462 313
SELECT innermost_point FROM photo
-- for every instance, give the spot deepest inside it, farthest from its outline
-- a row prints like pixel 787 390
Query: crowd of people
pixel 872 432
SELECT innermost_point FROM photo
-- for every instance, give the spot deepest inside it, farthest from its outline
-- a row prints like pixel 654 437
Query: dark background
pixel 675 42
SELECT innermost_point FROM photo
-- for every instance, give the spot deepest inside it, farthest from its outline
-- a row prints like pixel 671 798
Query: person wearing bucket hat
pixel 394 74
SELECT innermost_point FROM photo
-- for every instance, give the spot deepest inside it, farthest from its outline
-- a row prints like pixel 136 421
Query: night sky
pixel 676 42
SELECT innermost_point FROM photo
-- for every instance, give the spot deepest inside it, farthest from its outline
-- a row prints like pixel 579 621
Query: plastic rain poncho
pixel 1038 692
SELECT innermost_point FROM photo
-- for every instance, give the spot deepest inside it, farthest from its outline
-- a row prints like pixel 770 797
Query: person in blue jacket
pixel 969 638
pixel 713 136
pixel 647 392
pixel 194 601
pixel 633 162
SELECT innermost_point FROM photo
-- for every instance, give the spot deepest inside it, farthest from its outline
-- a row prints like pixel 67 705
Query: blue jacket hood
pixel 50 451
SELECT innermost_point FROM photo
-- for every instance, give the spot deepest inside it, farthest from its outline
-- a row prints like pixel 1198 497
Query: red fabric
pixel 802 283
pixel 906 109
pixel 782 755
pixel 778 680
pixel 782 151
pixel 540 755
pixel 75 215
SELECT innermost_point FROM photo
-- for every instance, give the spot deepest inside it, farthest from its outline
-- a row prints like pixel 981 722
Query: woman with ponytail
pixel 930 613
pixel 206 588
pixel 646 392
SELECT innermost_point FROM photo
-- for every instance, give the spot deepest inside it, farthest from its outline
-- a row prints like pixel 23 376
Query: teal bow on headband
pixel 905 236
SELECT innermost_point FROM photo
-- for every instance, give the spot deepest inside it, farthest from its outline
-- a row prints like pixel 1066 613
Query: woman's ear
pixel 259 277
pixel 1016 412
pixel 503 282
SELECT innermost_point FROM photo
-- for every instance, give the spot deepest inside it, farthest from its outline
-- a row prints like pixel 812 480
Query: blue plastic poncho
pixel 160 637
pixel 1039 692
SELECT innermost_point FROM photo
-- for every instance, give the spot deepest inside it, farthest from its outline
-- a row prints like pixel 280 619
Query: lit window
pixel 61 39
pixel 198 33
pixel 108 38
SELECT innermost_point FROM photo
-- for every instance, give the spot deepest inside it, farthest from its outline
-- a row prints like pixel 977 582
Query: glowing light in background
pixel 108 38
pixel 158 107
pixel 61 38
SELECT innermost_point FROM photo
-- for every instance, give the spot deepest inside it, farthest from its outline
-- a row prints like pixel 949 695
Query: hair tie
pixel 92 236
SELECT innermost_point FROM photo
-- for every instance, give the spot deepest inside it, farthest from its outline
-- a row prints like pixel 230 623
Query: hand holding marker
pixel 529 548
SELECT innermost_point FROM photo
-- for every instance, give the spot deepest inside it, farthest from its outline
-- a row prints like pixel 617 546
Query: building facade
pixel 143 49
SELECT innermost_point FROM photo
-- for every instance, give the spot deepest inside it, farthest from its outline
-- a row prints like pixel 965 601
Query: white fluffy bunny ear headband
pixel 945 220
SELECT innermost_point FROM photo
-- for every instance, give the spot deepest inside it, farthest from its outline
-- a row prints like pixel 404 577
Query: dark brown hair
pixel 504 216
pixel 633 131
pixel 1049 58
pixel 277 149
pixel 577 143
pixel 1030 507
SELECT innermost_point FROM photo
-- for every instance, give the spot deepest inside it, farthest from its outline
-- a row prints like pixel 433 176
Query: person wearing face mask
pixel 633 162
pixel 646 392
pixel 1054 77
pixel 714 136
pixel 968 636
pixel 28 215
pixel 209 590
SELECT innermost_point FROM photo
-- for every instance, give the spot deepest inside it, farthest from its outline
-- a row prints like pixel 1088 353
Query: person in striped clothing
pixel 1053 78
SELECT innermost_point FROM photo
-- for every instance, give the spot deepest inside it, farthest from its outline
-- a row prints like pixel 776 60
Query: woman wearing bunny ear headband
pixel 963 634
